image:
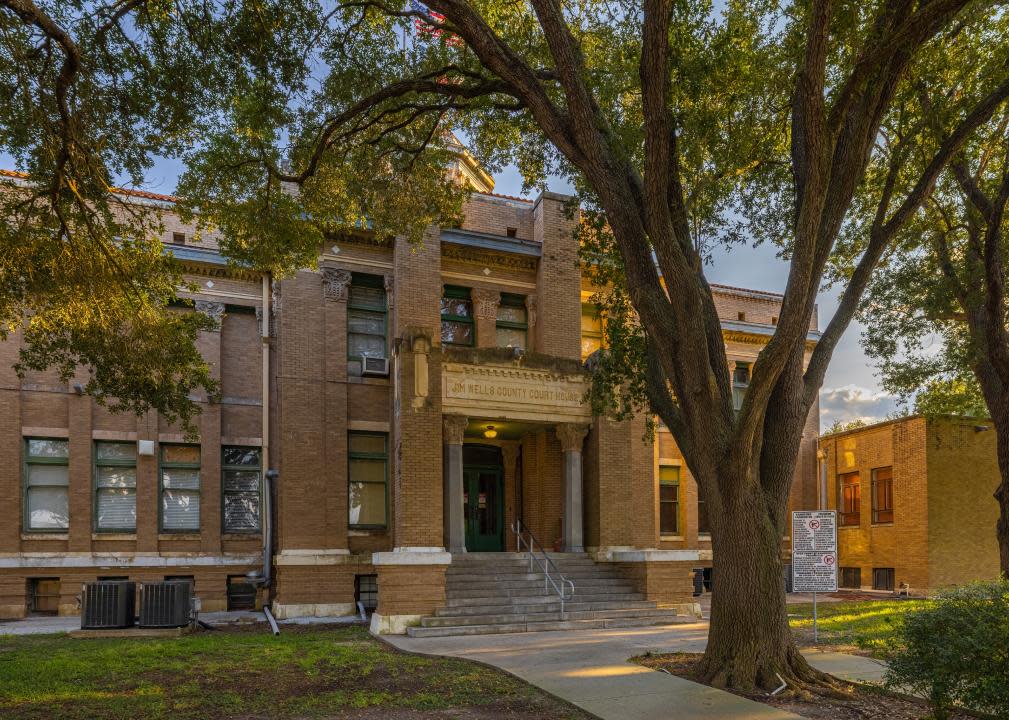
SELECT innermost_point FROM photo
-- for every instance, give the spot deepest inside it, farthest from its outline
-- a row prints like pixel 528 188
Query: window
pixel 457 317
pixel 47 481
pixel 851 499
pixel 669 500
pixel 366 317
pixel 882 579
pixel 740 382
pixel 115 486
pixel 703 528
pixel 366 591
pixel 592 329
pixel 882 495
pixel 180 488
pixel 179 238
pixel 741 316
pixel 511 232
pixel 850 577
pixel 367 472
pixel 44 596
pixel 241 486
pixel 241 593
pixel 512 321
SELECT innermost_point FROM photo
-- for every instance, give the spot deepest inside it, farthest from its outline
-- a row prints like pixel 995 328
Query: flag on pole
pixel 432 28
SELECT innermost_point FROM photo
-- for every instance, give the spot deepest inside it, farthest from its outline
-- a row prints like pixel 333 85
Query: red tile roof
pixel 120 191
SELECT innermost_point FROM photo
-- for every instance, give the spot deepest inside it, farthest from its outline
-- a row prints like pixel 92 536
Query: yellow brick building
pixel 914 503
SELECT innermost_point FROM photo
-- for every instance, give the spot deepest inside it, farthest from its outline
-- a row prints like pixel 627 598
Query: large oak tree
pixel 681 123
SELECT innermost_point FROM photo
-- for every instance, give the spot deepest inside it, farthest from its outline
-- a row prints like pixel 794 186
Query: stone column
pixel 455 522
pixel 572 437
pixel 509 456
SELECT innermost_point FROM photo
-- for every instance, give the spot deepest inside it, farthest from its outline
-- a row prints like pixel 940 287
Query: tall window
pixel 592 329
pixel 366 317
pixel 180 488
pixel 740 381
pixel 512 322
pixel 368 473
pixel 115 486
pixel 47 480
pixel 241 475
pixel 883 579
pixel 882 495
pixel 850 499
pixel 457 317
pixel 669 500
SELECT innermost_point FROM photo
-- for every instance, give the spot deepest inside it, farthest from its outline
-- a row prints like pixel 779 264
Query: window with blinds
pixel 366 317
pixel 241 489
pixel 512 322
pixel 47 480
pixel 179 473
pixel 669 500
pixel 115 487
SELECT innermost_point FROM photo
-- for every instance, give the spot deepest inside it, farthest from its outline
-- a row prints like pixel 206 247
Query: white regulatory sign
pixel 814 531
pixel 814 551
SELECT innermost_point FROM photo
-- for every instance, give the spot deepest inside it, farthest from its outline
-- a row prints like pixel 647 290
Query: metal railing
pixel 561 585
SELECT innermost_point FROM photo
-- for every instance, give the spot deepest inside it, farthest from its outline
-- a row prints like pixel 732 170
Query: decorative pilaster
pixel 390 292
pixel 531 320
pixel 486 302
pixel 453 432
pixel 572 437
pixel 335 282
pixel 512 492
pixel 213 310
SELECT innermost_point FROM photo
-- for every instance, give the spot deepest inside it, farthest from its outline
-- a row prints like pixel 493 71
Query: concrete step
pixel 526 608
pixel 532 599
pixel 453 585
pixel 511 618
pixel 492 629
pixel 480 557
pixel 522 573
pixel 491 593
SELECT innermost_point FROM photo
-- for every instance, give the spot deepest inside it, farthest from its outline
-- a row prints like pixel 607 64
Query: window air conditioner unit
pixel 375 366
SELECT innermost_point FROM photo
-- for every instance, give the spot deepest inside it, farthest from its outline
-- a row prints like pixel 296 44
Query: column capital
pixel 390 291
pixel 334 283
pixel 213 310
pixel 486 302
pixel 571 436
pixel 509 454
pixel 454 428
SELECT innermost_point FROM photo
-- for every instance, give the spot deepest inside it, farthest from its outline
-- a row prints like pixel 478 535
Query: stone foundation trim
pixel 286 611
pixel 657 555
pixel 412 556
pixel 120 560
pixel 338 556
pixel 392 624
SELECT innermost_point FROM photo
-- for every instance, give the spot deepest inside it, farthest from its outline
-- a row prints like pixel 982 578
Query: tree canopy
pixel 681 123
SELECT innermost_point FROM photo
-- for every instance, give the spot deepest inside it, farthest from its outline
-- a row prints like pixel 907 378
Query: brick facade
pixel 942 530
pixel 330 525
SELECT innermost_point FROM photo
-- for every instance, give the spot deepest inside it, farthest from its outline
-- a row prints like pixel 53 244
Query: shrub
pixel 954 651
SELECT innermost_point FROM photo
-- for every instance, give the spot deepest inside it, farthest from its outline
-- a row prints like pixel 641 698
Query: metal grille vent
pixel 165 604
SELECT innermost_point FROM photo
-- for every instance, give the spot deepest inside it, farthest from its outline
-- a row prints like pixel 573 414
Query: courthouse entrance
pixel 483 498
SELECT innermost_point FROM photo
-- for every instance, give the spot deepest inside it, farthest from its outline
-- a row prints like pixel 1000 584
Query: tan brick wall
pixel 663 582
pixel 962 477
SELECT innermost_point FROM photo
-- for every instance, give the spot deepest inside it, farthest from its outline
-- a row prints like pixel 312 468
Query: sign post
pixel 814 555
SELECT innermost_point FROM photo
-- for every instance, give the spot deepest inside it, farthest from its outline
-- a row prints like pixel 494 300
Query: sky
pixel 850 389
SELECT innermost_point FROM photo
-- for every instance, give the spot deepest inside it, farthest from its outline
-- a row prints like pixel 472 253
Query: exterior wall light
pixel 490 432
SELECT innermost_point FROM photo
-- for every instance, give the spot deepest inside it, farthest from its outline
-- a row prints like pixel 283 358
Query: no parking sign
pixel 814 551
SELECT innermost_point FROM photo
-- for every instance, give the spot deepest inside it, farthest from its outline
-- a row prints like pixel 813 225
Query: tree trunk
pixel 1001 421
pixel 750 645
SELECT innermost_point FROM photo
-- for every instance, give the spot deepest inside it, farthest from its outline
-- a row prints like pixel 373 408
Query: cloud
pixel 852 402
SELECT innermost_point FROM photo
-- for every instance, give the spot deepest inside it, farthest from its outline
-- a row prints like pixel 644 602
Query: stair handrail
pixel 544 562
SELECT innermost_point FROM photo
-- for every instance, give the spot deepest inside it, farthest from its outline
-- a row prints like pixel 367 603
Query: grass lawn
pixel 865 625
pixel 307 672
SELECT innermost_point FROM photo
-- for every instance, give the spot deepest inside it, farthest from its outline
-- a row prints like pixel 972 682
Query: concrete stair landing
pixel 488 593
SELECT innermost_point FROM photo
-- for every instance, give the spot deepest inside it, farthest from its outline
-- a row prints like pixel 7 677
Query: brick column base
pixel 317 584
pixel 411 585
pixel 663 576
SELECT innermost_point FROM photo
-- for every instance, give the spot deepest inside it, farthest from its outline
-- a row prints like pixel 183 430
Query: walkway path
pixel 590 669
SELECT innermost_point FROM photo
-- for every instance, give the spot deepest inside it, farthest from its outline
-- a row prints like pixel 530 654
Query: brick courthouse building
pixel 415 401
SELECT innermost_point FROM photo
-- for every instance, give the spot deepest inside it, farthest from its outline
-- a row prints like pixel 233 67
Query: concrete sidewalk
pixel 590 669
pixel 68 623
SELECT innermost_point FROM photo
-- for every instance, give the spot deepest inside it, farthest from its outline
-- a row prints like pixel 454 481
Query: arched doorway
pixel 483 497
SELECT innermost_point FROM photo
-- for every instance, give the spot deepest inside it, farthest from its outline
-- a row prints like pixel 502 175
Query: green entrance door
pixel 484 509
